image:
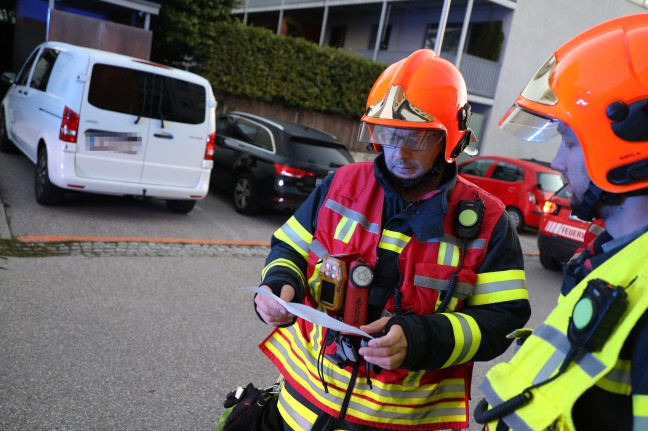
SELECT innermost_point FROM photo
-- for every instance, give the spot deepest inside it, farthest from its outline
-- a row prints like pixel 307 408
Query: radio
pixel 596 314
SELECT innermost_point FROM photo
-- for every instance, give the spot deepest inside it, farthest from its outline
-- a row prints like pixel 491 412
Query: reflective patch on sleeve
pixel 467 338
pixel 286 264
pixel 500 286
pixel 294 234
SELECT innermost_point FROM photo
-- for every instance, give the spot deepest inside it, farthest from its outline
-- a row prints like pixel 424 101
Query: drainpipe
pixel 464 32
pixel 381 29
pixel 324 23
pixel 245 12
pixel 281 11
pixel 438 43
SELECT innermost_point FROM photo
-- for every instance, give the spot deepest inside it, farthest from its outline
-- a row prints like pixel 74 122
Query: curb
pixel 5 233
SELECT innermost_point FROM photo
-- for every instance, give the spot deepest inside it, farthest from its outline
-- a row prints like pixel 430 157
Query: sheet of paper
pixel 311 314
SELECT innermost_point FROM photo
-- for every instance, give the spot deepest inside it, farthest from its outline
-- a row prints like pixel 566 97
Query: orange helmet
pixel 597 84
pixel 416 103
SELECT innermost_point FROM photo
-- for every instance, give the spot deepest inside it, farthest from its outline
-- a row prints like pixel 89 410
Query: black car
pixel 269 163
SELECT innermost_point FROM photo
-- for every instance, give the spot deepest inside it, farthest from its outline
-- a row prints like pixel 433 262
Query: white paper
pixel 311 314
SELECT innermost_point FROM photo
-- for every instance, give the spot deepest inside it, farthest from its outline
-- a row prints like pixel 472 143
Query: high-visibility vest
pixel 349 222
pixel 543 352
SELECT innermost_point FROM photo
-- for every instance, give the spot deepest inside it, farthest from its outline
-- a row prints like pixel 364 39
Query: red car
pixel 560 233
pixel 522 185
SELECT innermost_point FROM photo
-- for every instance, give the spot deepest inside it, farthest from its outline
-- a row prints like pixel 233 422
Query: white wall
pixel 538 28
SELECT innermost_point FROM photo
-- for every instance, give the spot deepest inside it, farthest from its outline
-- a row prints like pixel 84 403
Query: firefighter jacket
pixel 606 389
pixel 413 246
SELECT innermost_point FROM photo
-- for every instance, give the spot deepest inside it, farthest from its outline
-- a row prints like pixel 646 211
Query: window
pixel 313 153
pixel 338 36
pixel 140 93
pixel 507 172
pixel 476 167
pixel 245 131
pixel 549 182
pixel 21 79
pixel 384 42
pixel 43 69
pixel 450 38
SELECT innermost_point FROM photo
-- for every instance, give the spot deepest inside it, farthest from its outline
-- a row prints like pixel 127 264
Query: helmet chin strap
pixel 587 208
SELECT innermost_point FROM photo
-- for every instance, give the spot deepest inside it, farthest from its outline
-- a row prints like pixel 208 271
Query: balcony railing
pixel 481 75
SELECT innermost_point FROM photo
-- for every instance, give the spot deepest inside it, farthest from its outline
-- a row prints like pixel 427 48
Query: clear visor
pixel 410 139
pixel 529 126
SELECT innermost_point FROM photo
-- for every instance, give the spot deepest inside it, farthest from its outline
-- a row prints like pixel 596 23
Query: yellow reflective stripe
pixel 413 378
pixel 293 234
pixel 287 264
pixel 500 286
pixel 448 254
pixel 345 229
pixel 393 241
pixel 467 338
pixel 295 414
pixel 403 406
pixel 617 380
pixel 640 412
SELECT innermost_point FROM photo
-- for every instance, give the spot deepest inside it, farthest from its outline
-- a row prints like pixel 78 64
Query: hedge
pixel 256 63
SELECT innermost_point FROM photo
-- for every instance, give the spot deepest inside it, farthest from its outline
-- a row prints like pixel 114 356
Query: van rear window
pixel 145 94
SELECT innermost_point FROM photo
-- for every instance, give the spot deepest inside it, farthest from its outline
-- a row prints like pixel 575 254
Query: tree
pixel 180 30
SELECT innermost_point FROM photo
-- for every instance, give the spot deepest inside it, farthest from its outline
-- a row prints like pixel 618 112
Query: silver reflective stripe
pixel 619 376
pixel 499 286
pixel 416 398
pixel 640 423
pixel 462 291
pixel 294 236
pixel 514 421
pixel 393 241
pixel 589 363
pixel 294 414
pixel 352 215
pixel 318 249
pixel 468 339
pixel 596 229
pixel 478 243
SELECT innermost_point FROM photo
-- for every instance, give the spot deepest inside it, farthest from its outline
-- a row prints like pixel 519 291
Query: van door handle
pixel 163 135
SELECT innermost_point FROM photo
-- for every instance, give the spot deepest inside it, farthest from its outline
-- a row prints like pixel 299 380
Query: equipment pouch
pixel 251 408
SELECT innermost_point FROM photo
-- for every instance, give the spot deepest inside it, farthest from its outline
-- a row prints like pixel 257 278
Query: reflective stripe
pixel 640 412
pixel 500 286
pixel 318 249
pixel 293 234
pixel 295 414
pixel 462 291
pixel 467 338
pixel 287 264
pixel 475 244
pixel 345 229
pixel 588 363
pixel 448 254
pixel 413 378
pixel 514 421
pixel 430 403
pixel 352 215
pixel 596 229
pixel 617 380
pixel 394 241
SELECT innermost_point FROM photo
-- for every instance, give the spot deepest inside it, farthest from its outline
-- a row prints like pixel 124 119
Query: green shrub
pixel 256 63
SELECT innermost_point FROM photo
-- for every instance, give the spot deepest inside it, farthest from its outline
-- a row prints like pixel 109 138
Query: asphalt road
pixel 138 342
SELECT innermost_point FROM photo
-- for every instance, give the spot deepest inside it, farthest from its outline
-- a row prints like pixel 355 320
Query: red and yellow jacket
pixel 413 247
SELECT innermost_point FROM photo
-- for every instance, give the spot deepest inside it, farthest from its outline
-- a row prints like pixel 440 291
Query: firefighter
pixel 586 366
pixel 448 276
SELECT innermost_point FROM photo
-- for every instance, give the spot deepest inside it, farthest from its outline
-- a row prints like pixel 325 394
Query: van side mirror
pixel 8 77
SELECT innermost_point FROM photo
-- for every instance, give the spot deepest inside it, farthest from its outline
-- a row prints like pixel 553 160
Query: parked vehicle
pixel 560 232
pixel 270 163
pixel 522 185
pixel 100 122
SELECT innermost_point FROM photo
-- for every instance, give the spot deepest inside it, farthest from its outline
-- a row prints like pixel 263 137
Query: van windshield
pixel 145 94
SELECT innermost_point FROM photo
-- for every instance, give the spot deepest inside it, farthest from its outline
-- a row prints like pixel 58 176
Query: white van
pixel 100 122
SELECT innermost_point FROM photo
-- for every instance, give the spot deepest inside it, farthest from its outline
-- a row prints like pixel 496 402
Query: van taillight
pixel 209 149
pixel 289 171
pixel 69 126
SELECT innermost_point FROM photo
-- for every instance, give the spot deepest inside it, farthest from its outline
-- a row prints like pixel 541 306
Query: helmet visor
pixel 396 137
pixel 528 126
